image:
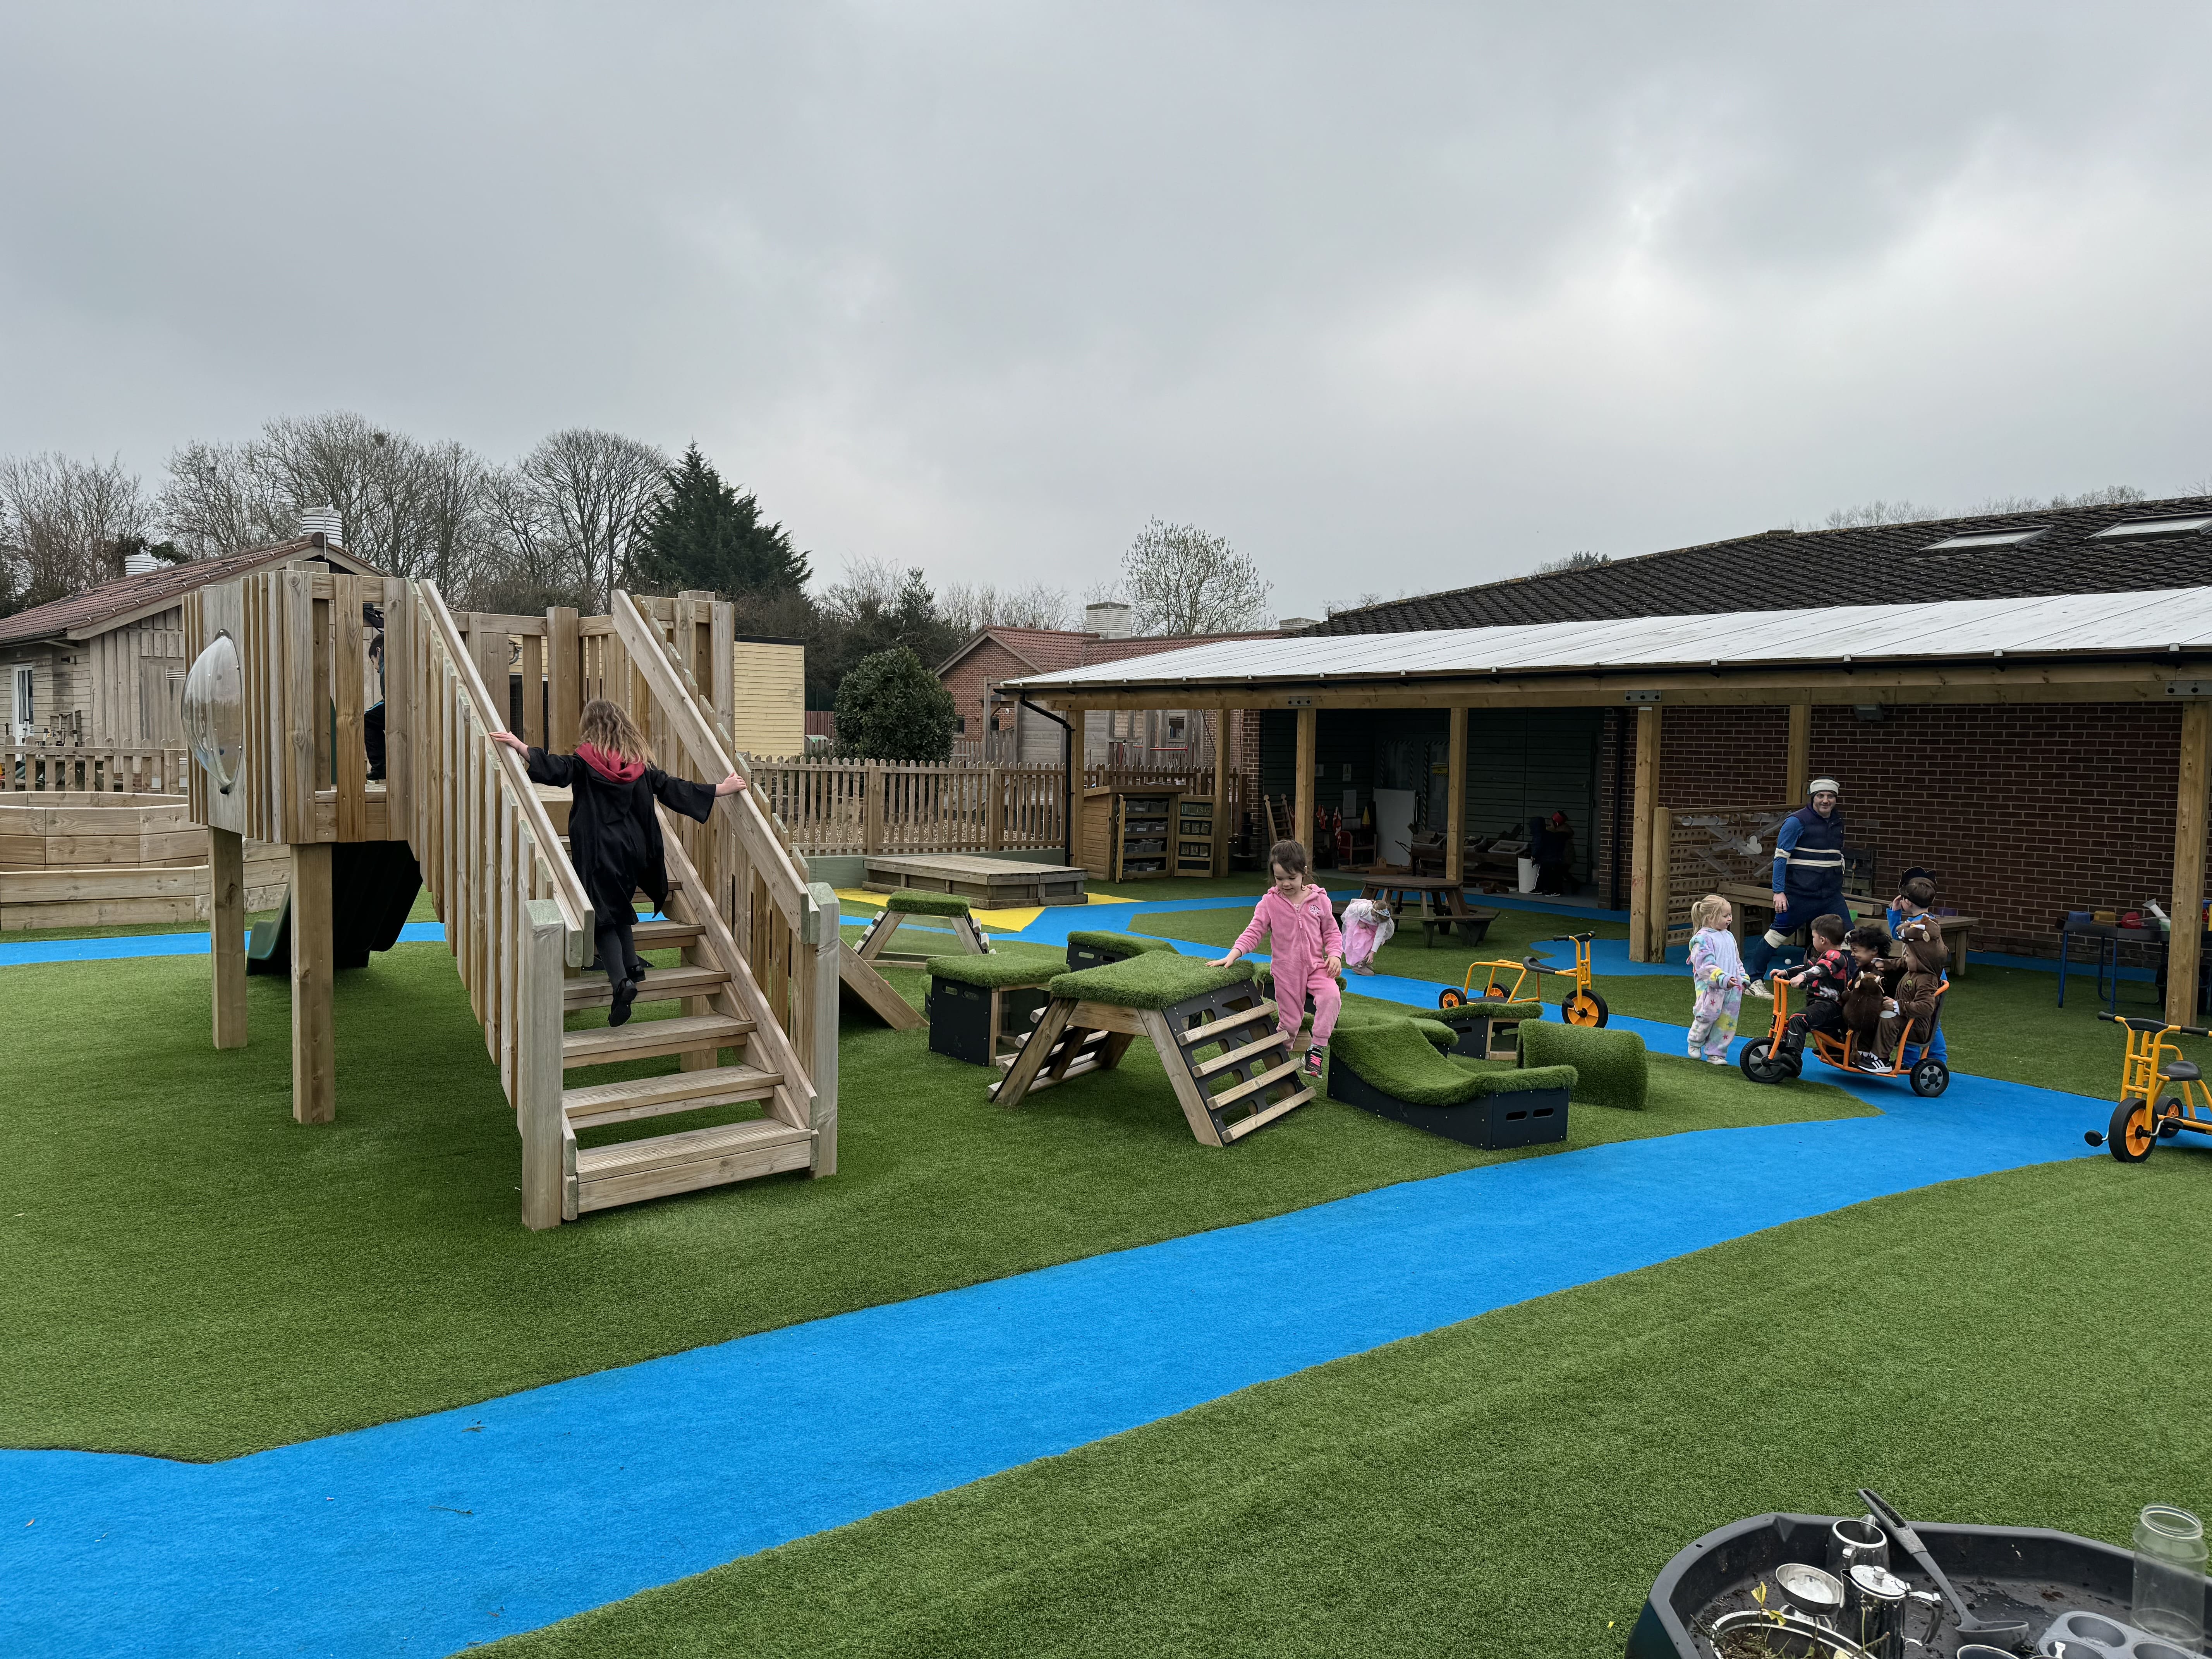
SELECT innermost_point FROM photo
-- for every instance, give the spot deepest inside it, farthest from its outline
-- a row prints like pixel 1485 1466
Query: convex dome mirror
pixel 215 711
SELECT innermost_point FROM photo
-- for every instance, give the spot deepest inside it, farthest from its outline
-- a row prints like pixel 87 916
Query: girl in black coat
pixel 614 835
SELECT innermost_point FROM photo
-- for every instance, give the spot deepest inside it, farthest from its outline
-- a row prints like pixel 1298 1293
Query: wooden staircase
pixel 758 946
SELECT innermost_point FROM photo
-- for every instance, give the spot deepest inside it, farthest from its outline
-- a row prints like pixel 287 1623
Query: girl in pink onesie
pixel 1306 949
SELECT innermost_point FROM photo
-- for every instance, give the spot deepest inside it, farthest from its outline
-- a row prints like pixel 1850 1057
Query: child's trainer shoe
pixel 1314 1064
pixel 1869 1062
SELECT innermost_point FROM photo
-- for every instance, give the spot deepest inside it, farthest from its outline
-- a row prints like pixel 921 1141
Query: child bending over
pixel 1716 972
pixel 614 835
pixel 1307 949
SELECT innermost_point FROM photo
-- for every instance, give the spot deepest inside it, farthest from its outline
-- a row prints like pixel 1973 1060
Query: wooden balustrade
pixel 48 768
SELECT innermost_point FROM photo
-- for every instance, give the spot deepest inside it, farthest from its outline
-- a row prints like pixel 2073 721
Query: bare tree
pixel 528 560
pixel 1881 512
pixel 64 525
pixel 1179 581
pixel 598 488
pixel 965 610
pixel 450 495
pixel 219 498
pixel 1583 561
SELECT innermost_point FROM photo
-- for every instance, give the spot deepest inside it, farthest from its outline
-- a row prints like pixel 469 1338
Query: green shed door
pixel 1521 764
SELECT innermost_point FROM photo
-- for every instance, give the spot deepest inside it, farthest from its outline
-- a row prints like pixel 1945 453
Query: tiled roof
pixel 1051 650
pixel 171 582
pixel 1809 569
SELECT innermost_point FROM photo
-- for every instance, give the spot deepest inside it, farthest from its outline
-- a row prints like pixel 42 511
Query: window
pixel 24 711
pixel 2136 527
pixel 1984 538
pixel 1178 726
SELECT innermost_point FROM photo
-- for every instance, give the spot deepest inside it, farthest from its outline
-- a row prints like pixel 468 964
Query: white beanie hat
pixel 1828 784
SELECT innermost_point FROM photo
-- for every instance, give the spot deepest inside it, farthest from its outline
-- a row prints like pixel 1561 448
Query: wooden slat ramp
pixel 1218 1045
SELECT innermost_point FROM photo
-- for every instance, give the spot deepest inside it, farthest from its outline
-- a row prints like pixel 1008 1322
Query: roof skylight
pixel 1986 538
pixel 2135 528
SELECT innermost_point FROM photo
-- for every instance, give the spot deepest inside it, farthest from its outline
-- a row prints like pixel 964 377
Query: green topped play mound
pixel 1158 979
pixel 1615 1068
pixel 1119 944
pixel 913 901
pixel 1006 966
pixel 1393 1056
pixel 1482 1008
pixel 1439 1035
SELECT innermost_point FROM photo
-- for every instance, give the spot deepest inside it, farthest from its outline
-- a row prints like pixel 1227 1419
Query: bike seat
pixel 2180 1071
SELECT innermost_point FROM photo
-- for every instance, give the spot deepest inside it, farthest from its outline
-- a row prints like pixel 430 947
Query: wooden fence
pixel 26 768
pixel 848 807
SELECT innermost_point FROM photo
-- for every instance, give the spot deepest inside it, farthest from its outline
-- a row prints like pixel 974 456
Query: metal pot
pixel 1875 1603
pixel 1850 1542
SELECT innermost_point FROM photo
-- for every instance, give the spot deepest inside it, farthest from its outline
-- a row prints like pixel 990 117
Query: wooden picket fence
pixel 41 768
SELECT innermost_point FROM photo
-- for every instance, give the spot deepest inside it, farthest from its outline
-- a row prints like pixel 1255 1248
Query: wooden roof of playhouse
pixel 2077 549
pixel 2069 647
pixel 113 604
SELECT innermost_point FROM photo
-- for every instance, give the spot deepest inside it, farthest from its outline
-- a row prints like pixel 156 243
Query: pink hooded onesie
pixel 1301 939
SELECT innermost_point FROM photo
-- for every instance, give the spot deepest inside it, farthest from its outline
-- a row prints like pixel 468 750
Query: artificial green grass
pixel 911 902
pixel 1613 1064
pixel 191 1274
pixel 1397 1058
pixel 1008 964
pixel 1512 1485
pixel 1488 1008
pixel 1155 980
pixel 1121 945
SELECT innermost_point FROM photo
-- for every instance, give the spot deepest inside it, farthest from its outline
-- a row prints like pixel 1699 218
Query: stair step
pixel 664 935
pixel 643 1039
pixel 657 1096
pixel 590 989
pixel 637 1169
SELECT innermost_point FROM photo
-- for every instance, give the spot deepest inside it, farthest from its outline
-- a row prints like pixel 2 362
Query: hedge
pixel 1615 1071
pixel 1395 1057
pixel 1158 979
pixel 913 901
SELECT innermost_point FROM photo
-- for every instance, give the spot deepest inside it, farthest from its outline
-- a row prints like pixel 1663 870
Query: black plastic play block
pixel 1525 1117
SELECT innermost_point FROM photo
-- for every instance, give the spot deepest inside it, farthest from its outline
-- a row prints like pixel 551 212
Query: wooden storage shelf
pixel 1194 852
pixel 1144 825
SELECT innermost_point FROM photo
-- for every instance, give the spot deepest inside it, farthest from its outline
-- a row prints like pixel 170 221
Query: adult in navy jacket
pixel 1808 875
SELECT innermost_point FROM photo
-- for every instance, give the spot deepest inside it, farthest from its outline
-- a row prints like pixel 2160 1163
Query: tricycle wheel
pixel 1760 1064
pixel 1498 991
pixel 2169 1112
pixel 1931 1077
pixel 2132 1133
pixel 1451 997
pixel 1583 1008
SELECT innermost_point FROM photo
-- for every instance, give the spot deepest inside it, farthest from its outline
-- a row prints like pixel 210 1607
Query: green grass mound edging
pixel 1158 979
pixel 1397 1057
pixel 911 902
pixel 1439 1035
pixel 1482 1008
pixel 1616 1070
pixel 1004 968
pixel 1127 944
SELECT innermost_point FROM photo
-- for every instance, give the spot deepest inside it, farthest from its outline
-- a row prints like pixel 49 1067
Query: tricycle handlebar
pixel 2135 1022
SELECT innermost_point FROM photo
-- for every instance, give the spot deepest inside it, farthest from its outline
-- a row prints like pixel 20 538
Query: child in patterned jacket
pixel 1716 971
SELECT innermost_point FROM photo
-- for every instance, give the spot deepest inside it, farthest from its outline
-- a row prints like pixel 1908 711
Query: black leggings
pixel 618 950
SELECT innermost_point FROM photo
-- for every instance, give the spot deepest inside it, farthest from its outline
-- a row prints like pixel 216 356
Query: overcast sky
pixel 1396 297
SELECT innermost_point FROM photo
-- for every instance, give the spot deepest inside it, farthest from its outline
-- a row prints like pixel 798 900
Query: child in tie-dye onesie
pixel 1716 971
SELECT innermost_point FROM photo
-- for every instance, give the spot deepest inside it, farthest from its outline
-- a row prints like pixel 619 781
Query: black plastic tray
pixel 2004 1572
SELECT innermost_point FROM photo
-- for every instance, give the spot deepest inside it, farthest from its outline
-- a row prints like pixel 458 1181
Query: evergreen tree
pixel 889 706
pixel 703 534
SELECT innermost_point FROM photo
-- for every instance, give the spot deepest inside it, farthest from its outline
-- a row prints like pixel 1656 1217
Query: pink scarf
pixel 613 768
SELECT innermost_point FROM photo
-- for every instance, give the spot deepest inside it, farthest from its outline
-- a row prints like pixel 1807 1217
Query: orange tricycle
pixel 1764 1060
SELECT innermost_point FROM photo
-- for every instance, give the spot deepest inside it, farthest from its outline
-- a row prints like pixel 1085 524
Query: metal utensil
pixel 1815 1594
pixel 1874 1610
pixel 1852 1541
pixel 2001 1633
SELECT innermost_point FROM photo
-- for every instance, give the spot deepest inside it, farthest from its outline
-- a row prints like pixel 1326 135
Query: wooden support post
pixel 2183 943
pixel 227 935
pixel 537 1082
pixel 1800 753
pixel 1220 856
pixel 533 690
pixel 994 809
pixel 400 684
pixel 1454 797
pixel 876 779
pixel 314 1045
pixel 1303 803
pixel 828 947
pixel 1639 862
pixel 564 676
pixel 349 687
pixel 1662 878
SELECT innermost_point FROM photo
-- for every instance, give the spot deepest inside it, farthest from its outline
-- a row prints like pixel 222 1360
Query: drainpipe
pixel 1066 781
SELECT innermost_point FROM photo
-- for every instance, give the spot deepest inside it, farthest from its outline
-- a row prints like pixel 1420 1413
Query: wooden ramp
pixel 860 984
pixel 1220 1051
pixel 874 945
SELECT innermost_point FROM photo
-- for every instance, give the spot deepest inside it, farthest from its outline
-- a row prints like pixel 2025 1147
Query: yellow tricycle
pixel 2150 1068
pixel 1580 1007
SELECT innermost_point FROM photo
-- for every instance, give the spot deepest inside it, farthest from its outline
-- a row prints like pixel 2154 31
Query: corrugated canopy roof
pixel 1951 630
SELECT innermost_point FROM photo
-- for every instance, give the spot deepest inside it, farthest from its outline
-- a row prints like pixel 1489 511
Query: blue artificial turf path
pixel 427 1535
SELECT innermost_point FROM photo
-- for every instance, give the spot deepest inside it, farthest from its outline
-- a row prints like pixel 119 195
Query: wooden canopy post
pixel 2184 943
pixel 1639 862
pixel 315 1040
pixel 1304 804
pixel 564 678
pixel 227 937
pixel 1220 792
pixel 1455 796
pixel 1800 753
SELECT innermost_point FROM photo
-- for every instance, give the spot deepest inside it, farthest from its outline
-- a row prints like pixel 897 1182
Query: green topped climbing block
pixel 1158 979
pixel 1115 945
pixel 1615 1069
pixel 1007 966
pixel 1482 1008
pixel 913 901
pixel 1396 1057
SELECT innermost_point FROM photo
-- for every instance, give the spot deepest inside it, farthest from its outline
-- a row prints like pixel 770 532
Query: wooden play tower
pixel 290 666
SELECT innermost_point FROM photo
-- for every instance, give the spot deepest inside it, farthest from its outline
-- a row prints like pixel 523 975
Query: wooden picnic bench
pixel 1445 907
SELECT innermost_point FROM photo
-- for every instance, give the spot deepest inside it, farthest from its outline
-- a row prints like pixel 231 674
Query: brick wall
pixel 988 663
pixel 2023 812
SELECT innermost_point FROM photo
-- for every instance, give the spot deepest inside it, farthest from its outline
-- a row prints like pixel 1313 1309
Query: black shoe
pixel 625 994
pixel 637 971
